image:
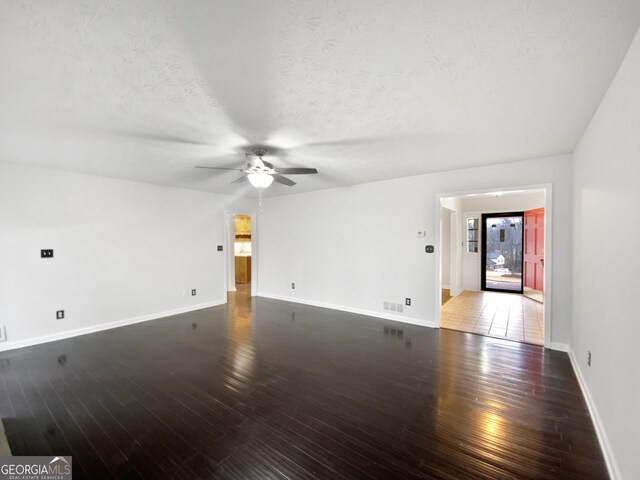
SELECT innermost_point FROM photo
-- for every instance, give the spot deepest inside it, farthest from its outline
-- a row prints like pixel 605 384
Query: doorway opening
pixel 242 254
pixel 491 254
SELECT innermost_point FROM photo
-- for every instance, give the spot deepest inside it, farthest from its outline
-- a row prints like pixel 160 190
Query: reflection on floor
pixel 502 315
pixel 266 389
pixel 242 290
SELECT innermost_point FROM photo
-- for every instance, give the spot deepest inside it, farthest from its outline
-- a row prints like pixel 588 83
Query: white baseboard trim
pixel 359 311
pixel 612 465
pixel 455 293
pixel 445 286
pixel 104 326
pixel 561 347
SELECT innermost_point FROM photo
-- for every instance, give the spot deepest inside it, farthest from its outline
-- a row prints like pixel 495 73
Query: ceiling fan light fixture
pixel 260 180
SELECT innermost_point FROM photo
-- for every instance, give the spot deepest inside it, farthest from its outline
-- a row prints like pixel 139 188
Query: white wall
pixel 446 247
pixel 606 320
pixel 454 206
pixel 355 247
pixel 477 205
pixel 122 251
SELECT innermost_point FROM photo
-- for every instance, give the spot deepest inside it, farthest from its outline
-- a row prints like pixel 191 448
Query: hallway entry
pixel 492 247
pixel 242 249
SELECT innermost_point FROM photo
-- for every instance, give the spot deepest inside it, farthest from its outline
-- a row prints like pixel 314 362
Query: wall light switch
pixel 421 233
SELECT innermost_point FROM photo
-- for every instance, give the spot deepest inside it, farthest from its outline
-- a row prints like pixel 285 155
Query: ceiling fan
pixel 261 173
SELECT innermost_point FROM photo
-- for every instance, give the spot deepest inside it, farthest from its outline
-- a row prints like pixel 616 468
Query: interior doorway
pixel 486 263
pixel 242 252
pixel 241 257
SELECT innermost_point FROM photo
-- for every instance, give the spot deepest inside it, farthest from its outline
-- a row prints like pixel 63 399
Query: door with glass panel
pixel 502 251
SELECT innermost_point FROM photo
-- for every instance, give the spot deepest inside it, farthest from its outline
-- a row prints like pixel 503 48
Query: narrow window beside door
pixel 472 235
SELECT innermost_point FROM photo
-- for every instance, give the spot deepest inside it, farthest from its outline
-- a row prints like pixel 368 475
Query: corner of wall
pixel 607 450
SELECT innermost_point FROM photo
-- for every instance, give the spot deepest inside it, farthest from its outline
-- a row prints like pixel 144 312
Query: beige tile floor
pixel 503 315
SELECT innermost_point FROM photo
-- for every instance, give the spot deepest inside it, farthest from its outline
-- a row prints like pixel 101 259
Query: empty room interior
pixel 320 239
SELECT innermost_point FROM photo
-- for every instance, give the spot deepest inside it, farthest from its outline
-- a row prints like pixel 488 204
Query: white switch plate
pixel 421 233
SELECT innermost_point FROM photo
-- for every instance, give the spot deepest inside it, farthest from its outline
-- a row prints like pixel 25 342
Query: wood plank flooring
pixel 268 389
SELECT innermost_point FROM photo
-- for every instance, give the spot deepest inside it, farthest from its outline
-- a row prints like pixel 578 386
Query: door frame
pixel 229 258
pixel 483 251
pixel 548 242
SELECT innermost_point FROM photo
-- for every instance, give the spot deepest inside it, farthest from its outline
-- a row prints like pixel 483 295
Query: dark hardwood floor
pixel 270 389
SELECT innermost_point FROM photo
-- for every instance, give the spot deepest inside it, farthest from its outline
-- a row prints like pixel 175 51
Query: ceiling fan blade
pixel 221 168
pixel 138 134
pixel 240 180
pixel 283 180
pixel 296 171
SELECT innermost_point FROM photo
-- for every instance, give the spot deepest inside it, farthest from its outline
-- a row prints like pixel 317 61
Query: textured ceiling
pixel 363 90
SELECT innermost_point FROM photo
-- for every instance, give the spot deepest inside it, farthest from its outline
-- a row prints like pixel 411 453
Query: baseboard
pixel 445 286
pixel 607 451
pixel 104 326
pixel 359 311
pixel 455 293
pixel 561 347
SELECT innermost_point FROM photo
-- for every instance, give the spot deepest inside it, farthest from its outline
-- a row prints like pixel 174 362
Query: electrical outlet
pixel 293 286
pixel 589 358
pixel 46 253
pixel 407 302
pixel 193 292
pixel 59 314
pixel 429 249
pixel 219 248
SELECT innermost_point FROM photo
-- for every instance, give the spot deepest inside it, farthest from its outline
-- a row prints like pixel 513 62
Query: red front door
pixel 534 249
